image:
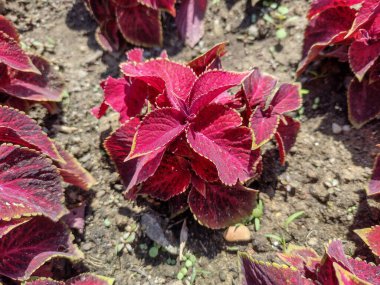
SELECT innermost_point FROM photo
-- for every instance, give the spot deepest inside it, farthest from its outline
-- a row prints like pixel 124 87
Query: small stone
pixel 87 246
pixel 222 276
pixel 346 128
pixel 253 31
pixel 336 129
pixel 312 241
pixel 237 234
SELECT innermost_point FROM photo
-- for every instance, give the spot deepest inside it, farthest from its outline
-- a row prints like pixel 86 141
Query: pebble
pixel 222 276
pixel 312 241
pixel 237 234
pixel 346 128
pixel 253 31
pixel 336 129
pixel 87 246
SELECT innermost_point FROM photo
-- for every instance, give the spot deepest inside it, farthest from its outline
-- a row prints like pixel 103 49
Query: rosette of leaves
pixel 305 267
pixel 139 21
pixel 188 139
pixel 25 79
pixel 32 169
pixel 349 31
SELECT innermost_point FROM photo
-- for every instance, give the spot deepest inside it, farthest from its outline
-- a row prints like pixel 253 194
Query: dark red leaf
pixel 72 172
pixel 164 75
pixel 189 20
pixel 136 55
pixel 264 126
pixel 167 5
pixel 371 236
pixel 368 9
pixel 362 57
pixel 158 129
pixel 258 87
pixel 29 246
pixel 318 6
pixel 171 178
pixel 211 84
pixel 17 128
pixel 286 99
pixel 363 101
pixel 286 136
pixel 222 206
pixel 265 273
pixel 29 185
pixel 90 279
pixel 366 271
pixel 108 35
pixel 47 86
pixel 217 134
pixel 7 27
pixel 134 171
pixel 140 25
pixel 323 31
pixel 12 55
pixel 7 226
pixel 202 62
pixel 347 278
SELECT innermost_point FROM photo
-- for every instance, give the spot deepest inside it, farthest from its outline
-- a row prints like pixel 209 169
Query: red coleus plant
pixel 32 168
pixel 25 79
pixel 350 31
pixel 183 134
pixel 139 21
pixel 305 267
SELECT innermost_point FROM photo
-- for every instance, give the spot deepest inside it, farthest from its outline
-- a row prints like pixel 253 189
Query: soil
pixel 325 175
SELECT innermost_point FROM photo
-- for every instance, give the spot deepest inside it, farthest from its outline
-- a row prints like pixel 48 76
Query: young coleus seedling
pixel 139 21
pixel 25 79
pixel 305 267
pixel 191 143
pixel 349 31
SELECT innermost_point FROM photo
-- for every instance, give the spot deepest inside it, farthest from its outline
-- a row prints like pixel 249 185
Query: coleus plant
pixel 305 267
pixel 185 138
pixel 32 168
pixel 25 79
pixel 350 31
pixel 139 21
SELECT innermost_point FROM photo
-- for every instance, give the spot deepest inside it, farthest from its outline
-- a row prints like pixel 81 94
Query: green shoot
pixel 292 218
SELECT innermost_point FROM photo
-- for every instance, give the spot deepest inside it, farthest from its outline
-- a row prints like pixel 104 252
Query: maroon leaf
pixel 12 55
pixel 8 28
pixel 164 75
pixel 202 62
pixel 323 31
pixel 217 134
pixel 171 178
pixel 222 206
pixel 264 126
pixel 72 172
pixel 29 246
pixel 258 87
pixel 300 257
pixel 368 9
pixel 265 273
pixel 362 56
pixel 374 183
pixel 17 128
pixel 140 25
pixel 211 84
pixel 29 185
pixel 167 5
pixel 286 136
pixel 286 99
pixel 158 128
pixel 134 171
pixel 371 236
pixel 7 226
pixel 363 101
pixel 347 278
pixel 366 271
pixel 189 20
pixel 108 35
pixel 47 86
pixel 318 6
pixel 124 96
